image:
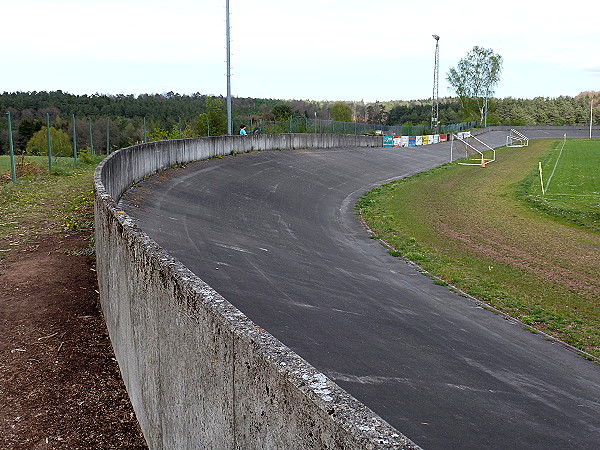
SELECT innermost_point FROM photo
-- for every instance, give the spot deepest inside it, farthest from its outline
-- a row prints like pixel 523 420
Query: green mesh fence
pixel 301 124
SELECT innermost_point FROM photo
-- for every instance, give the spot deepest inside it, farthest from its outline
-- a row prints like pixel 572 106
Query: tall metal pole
pixel 229 123
pixel 436 80
pixel 13 170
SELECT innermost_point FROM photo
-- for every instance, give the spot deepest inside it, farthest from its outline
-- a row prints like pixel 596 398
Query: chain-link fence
pixel 301 124
pixel 104 135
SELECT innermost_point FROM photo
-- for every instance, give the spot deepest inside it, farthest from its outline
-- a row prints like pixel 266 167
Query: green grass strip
pixel 474 228
pixel 43 203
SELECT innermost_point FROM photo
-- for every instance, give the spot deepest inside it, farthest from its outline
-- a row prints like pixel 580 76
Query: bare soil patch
pixel 60 386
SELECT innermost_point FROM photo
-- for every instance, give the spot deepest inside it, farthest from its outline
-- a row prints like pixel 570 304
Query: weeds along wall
pixel 199 373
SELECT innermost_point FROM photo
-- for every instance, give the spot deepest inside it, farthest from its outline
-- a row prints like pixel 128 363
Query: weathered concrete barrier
pixel 199 373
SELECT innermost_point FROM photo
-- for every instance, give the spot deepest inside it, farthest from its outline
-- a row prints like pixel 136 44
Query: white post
pixel 591 115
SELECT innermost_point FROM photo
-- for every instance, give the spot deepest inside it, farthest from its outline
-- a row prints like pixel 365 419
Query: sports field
pixel 488 232
pixel 571 181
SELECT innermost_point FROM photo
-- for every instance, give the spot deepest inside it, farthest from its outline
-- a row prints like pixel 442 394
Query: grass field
pixel 58 163
pixel 571 180
pixel 483 231
pixel 45 203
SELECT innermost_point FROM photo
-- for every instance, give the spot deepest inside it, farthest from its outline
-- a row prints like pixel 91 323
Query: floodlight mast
pixel 435 123
pixel 229 124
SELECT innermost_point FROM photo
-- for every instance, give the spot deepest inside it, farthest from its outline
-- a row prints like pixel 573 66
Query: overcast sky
pixel 316 50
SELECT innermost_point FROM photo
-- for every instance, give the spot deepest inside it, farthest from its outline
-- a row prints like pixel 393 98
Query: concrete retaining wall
pixel 199 373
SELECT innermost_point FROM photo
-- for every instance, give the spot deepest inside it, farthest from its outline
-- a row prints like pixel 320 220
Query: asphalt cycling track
pixel 276 234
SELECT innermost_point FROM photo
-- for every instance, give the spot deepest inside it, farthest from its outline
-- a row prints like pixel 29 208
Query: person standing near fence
pixel 243 130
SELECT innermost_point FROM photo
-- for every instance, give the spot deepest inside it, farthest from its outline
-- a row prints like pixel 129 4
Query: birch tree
pixel 474 80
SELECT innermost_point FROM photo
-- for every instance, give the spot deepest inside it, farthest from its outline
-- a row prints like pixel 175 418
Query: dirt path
pixel 60 386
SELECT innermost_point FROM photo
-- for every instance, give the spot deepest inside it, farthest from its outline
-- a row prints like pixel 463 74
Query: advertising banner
pixel 430 139
pixel 396 141
pixel 388 141
pixel 412 141
pixel 425 139
pixel 436 138
pixel 418 140
pixel 443 138
pixel 404 141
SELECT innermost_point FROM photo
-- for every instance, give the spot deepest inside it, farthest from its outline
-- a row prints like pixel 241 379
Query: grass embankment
pixel 476 229
pixel 44 203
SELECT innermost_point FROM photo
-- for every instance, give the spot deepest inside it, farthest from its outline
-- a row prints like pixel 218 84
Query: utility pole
pixel 229 125
pixel 435 123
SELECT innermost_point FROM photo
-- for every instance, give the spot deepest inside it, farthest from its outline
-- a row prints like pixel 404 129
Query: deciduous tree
pixel 341 112
pixel 281 111
pixel 217 117
pixel 61 144
pixel 474 80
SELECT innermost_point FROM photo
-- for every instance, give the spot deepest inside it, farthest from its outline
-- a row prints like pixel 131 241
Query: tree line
pixel 122 120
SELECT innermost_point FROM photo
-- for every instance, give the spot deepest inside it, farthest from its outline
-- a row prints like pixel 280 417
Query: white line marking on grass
pixel 555 164
pixel 577 195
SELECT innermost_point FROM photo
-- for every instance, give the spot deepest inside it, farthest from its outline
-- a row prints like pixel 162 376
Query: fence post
pixel 91 136
pixel 107 136
pixel 74 140
pixel 49 142
pixel 13 170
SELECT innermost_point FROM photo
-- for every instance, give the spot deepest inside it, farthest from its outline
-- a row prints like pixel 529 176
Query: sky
pixel 376 50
